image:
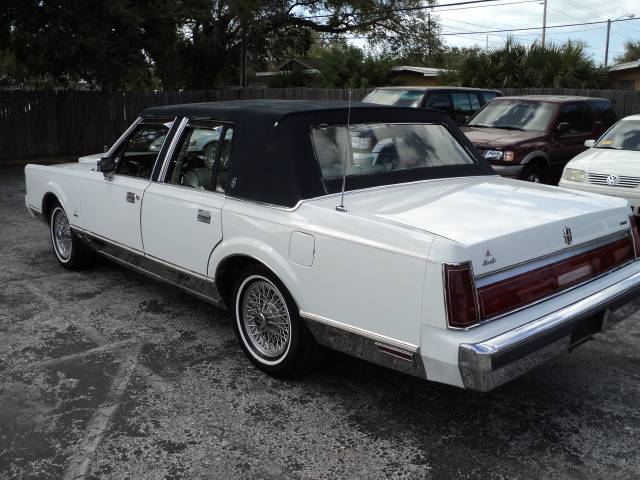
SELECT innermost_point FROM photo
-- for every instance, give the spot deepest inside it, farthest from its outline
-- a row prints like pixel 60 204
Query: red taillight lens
pixel 526 288
pixel 636 235
pixel 462 307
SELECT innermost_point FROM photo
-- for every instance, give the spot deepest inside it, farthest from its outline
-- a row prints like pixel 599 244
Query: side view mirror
pixel 107 165
pixel 589 143
pixel 563 127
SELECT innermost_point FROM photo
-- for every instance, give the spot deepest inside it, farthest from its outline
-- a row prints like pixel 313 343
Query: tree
pixel 516 65
pixel 187 43
pixel 631 52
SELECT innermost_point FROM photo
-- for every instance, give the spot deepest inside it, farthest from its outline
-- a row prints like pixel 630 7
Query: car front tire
pixel 69 250
pixel 269 327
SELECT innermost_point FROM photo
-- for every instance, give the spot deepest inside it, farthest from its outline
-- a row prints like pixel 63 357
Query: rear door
pixel 462 107
pixel 113 205
pixel 182 212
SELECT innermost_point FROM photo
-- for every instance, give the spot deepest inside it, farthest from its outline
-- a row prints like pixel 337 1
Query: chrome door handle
pixel 204 216
pixel 131 197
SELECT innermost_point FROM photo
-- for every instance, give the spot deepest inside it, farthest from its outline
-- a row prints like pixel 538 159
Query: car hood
pixel 512 220
pixel 498 137
pixel 608 161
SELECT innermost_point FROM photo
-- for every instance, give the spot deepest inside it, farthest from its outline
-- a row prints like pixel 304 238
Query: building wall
pixel 625 79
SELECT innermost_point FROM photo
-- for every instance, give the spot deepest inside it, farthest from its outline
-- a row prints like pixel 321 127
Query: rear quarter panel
pixel 364 274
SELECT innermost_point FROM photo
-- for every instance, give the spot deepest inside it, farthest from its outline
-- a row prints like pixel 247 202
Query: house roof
pixel 309 65
pixel 425 71
pixel 625 66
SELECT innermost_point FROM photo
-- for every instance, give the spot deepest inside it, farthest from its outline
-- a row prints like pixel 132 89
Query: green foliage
pixel 631 52
pixel 519 66
pixel 193 44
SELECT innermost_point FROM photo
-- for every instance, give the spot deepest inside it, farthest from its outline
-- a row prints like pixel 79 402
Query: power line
pixel 399 10
pixel 549 26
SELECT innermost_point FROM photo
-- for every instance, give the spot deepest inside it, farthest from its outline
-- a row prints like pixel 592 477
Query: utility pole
pixel 606 48
pixel 544 22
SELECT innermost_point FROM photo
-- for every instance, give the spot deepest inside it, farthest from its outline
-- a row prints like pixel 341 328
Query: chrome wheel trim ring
pixel 61 234
pixel 264 321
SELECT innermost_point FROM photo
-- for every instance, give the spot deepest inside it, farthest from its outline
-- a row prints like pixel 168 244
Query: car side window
pixel 140 151
pixel 488 96
pixel 225 161
pixel 474 98
pixel 461 102
pixel 575 116
pixel 194 164
pixel 438 100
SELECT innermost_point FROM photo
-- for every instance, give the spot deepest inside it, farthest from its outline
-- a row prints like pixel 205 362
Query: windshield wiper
pixel 479 125
pixel 509 127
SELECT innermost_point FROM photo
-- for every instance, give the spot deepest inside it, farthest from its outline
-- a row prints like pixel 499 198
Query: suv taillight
pixel 460 295
pixel 636 235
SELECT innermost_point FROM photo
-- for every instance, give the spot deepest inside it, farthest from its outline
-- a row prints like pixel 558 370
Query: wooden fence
pixel 67 124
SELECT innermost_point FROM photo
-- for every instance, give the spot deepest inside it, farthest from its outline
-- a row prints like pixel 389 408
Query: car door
pixel 181 215
pixel 578 121
pixel 113 202
pixel 462 109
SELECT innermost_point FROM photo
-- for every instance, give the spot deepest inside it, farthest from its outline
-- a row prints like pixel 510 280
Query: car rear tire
pixel 69 250
pixel 534 173
pixel 269 327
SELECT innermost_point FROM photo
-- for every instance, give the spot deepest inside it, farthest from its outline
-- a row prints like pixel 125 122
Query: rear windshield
pixel 515 115
pixel 399 98
pixel 367 149
pixel 624 135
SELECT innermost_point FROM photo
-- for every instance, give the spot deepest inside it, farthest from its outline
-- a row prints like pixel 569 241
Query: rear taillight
pixel 636 235
pixel 461 299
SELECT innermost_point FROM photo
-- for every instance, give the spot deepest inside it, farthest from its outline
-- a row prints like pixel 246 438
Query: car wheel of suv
pixel 533 172
pixel 268 325
pixel 69 249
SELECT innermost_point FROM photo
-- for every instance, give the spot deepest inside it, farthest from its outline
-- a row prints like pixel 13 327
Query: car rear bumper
pixel 493 362
pixel 512 171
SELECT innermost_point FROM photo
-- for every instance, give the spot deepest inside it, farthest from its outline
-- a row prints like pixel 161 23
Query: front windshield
pixel 383 147
pixel 625 135
pixel 515 115
pixel 399 97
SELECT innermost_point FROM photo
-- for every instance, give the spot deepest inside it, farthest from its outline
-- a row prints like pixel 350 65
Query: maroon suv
pixel 532 137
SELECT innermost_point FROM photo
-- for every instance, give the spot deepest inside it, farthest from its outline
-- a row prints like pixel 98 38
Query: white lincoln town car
pixel 377 231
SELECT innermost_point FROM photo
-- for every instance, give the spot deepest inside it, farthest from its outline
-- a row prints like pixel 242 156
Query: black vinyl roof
pixel 273 160
pixel 238 110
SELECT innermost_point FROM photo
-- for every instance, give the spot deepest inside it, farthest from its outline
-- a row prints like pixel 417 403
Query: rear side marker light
pixel 460 296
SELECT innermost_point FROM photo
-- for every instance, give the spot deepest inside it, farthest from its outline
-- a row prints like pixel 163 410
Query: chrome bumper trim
pixel 493 362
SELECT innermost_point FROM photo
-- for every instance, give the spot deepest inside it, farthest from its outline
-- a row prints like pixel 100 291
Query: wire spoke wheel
pixel 61 233
pixel 266 319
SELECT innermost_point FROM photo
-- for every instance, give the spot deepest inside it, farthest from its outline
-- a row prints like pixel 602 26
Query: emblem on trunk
pixel 568 238
pixel 488 259
pixel 612 179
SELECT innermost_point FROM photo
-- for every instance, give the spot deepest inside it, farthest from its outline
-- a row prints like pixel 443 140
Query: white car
pixel 611 166
pixel 377 231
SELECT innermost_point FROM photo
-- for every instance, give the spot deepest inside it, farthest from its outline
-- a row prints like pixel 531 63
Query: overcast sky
pixel 523 15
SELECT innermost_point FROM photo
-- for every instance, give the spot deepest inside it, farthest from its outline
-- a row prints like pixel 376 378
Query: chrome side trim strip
pixel 361 332
pixel 512 270
pixel 363 347
pixel 492 362
pixel 191 282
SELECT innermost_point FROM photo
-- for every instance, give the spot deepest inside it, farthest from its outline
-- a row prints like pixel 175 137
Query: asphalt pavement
pixel 107 374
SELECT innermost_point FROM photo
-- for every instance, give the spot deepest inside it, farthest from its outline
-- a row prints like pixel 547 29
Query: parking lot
pixel 106 374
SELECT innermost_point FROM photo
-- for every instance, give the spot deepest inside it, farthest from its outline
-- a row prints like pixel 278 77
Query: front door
pixel 113 205
pixel 182 212
pixel 578 120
